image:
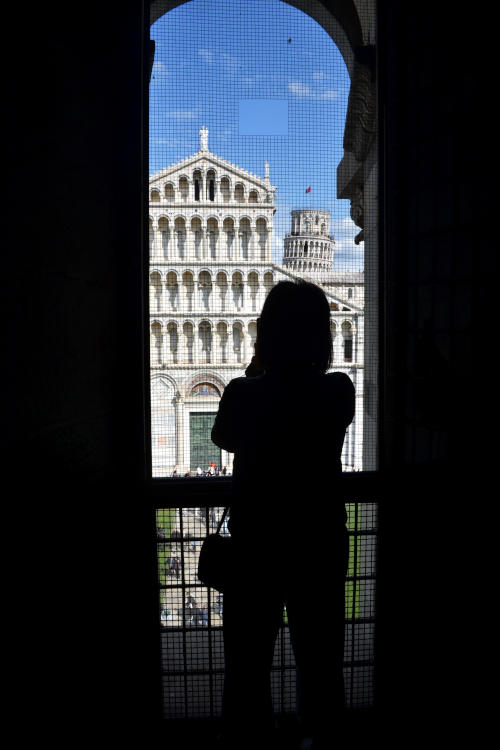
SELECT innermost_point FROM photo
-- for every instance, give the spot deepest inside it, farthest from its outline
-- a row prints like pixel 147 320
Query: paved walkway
pixel 194 525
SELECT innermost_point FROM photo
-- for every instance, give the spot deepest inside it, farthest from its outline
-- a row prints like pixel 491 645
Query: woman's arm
pixel 224 432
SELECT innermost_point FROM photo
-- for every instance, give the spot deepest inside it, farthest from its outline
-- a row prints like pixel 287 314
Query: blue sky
pixel 211 56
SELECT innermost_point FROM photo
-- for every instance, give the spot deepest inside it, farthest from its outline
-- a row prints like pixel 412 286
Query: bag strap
pixel 219 527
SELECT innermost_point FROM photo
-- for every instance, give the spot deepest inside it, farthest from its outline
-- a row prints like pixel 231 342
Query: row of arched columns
pixel 206 187
pixel 204 342
pixel 209 341
pixel 202 291
pixel 311 248
pixel 307 266
pixel 209 238
pixel 344 340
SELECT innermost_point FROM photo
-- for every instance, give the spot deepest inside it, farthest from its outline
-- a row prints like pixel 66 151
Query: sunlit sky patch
pixel 210 56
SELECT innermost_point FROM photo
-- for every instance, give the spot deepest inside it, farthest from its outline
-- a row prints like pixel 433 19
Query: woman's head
pixel 294 327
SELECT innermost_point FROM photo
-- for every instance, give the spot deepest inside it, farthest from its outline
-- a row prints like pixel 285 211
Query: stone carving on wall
pixel 361 112
pixel 357 211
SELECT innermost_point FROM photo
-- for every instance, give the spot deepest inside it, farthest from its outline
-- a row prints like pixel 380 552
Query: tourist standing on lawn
pixel 286 406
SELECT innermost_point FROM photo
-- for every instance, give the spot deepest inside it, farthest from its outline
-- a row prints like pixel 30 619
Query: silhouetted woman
pixel 287 411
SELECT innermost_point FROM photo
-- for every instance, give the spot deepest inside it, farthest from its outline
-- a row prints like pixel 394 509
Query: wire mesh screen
pixel 258 175
pixel 192 617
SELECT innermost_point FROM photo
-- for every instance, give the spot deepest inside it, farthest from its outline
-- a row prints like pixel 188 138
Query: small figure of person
pixel 224 471
pixel 170 565
pixel 199 471
pixel 177 567
pixel 219 603
pixel 204 616
pixel 190 607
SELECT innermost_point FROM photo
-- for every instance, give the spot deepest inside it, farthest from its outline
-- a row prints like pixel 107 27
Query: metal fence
pixel 191 617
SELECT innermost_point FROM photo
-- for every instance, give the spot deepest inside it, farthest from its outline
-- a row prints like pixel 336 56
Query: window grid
pixel 191 617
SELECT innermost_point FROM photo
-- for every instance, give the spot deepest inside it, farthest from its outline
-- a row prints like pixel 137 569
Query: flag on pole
pixel 308 190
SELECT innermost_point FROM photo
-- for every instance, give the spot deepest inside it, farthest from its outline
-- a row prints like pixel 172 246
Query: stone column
pixel 179 429
pixel 354 343
pixel 164 346
pixel 154 239
pixel 203 243
pixel 251 242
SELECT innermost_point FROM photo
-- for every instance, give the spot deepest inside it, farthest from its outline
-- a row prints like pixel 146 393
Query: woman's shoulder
pixel 240 383
pixel 338 380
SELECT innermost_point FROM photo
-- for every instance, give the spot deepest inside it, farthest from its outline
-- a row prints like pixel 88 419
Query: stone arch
pixel 261 228
pixel 164 236
pixel 239 192
pixel 347 340
pixel 225 188
pixel 183 188
pixel 197 184
pixel 154 195
pixel 245 237
pixel 204 376
pixel 333 331
pixel 156 348
pixel 151 236
pixel 210 184
pixel 169 192
pixel 188 329
pixel 229 232
pixel 188 290
pixel 222 339
pixel 155 291
pixel 252 335
pixel 173 342
pixel 172 285
pixel 212 237
pixel 253 289
pixel 205 340
pixel 237 286
pixel 180 236
pixel 238 341
pixel 165 378
pixel 205 289
pixel 196 228
pixel 253 196
pixel 222 286
pixel 268 282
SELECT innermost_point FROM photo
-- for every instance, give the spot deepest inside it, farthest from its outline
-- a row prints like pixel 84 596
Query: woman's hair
pixel 294 327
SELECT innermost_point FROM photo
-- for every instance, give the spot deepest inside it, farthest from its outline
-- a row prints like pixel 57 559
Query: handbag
pixel 215 564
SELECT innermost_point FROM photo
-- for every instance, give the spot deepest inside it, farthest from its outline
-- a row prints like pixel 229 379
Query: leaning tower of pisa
pixel 309 246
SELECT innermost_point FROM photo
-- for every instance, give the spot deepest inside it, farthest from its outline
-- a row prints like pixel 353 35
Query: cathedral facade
pixel 211 234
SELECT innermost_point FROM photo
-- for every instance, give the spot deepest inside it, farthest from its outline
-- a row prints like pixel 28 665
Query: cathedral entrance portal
pixel 203 451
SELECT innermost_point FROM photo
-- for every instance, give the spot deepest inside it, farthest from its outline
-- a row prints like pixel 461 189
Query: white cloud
pixel 159 70
pixel 230 62
pixel 206 54
pixel 182 114
pixel 329 94
pixel 320 75
pixel 301 89
pixel 167 141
